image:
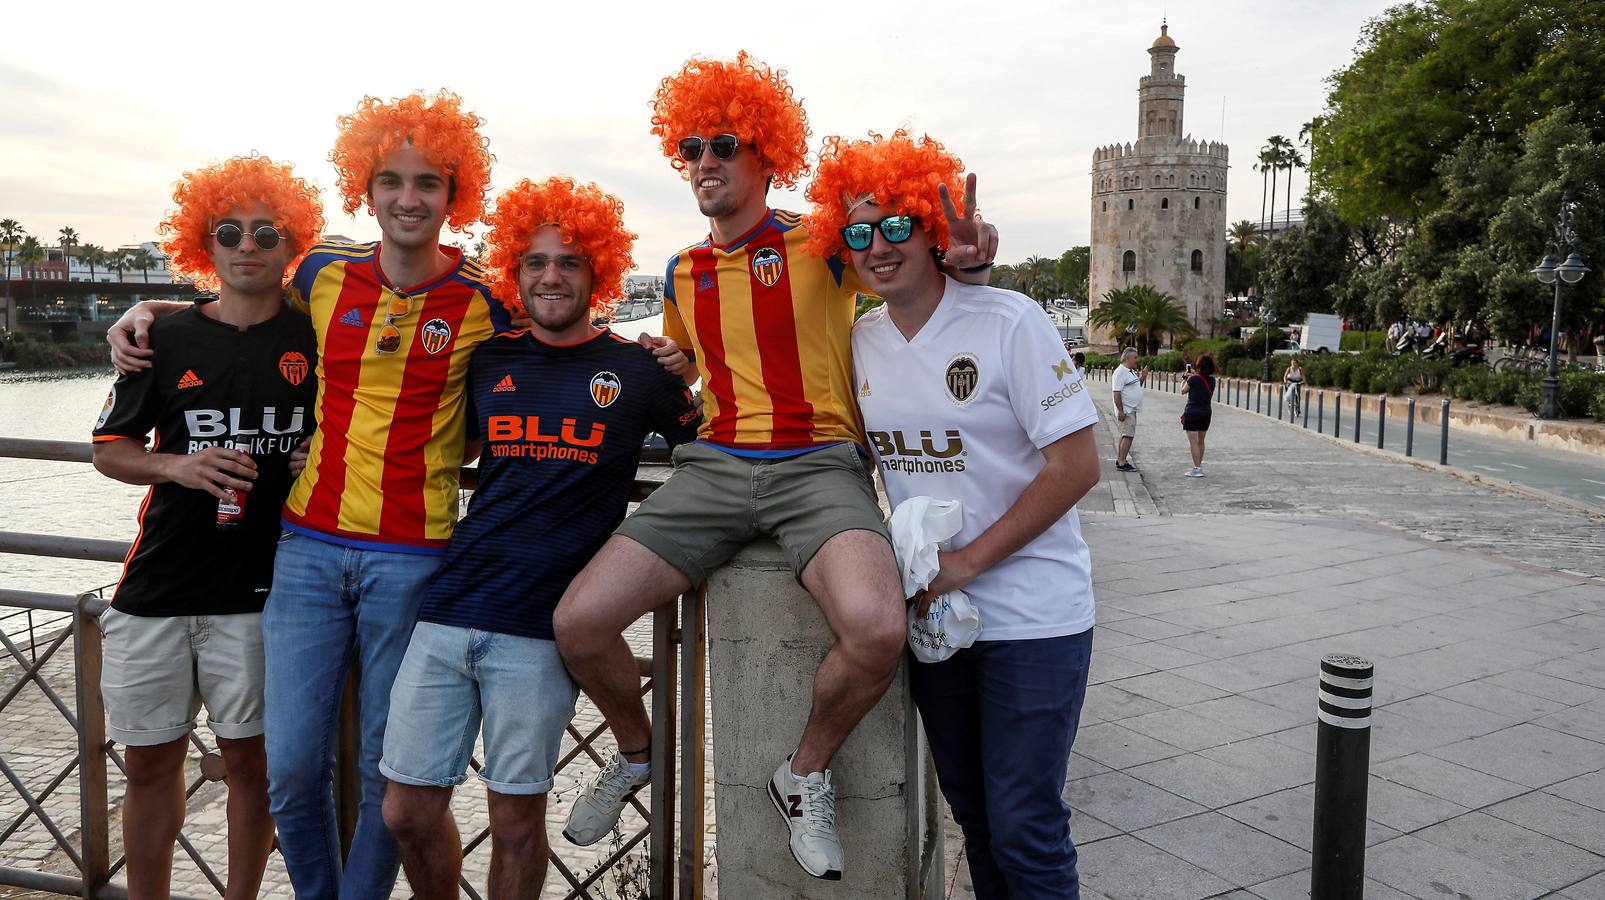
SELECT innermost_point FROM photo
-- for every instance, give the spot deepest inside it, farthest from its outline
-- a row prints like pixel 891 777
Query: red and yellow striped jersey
pixel 771 326
pixel 390 426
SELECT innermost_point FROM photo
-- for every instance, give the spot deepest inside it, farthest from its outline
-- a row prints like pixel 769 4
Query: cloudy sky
pixel 105 104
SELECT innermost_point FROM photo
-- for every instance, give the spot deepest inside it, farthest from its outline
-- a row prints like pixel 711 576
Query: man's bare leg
pixel 250 825
pixel 425 832
pixel 622 583
pixel 518 845
pixel 153 815
pixel 1125 448
pixel 854 580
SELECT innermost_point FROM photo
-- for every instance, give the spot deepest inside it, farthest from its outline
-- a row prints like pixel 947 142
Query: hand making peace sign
pixel 972 242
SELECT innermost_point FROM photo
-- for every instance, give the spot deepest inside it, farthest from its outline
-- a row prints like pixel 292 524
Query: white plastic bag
pixel 921 527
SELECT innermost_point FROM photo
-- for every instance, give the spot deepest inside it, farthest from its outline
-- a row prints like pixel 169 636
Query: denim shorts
pixel 452 679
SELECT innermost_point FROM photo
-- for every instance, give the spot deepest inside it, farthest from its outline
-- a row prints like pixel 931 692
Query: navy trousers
pixel 1000 717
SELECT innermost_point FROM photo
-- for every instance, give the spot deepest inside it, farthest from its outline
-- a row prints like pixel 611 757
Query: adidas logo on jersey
pixel 352 318
pixel 505 386
pixel 864 391
pixel 190 380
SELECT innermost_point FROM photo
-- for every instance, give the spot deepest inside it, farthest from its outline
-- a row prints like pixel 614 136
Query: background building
pixel 1159 204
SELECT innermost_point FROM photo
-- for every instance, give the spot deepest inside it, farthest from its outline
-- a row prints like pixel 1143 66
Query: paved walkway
pixel 1192 775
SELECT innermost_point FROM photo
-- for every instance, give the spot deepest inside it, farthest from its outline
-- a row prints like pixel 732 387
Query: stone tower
pixel 1159 204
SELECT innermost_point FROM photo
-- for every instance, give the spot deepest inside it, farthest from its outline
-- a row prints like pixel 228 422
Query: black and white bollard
pixel 1443 443
pixel 1342 764
pixel 1359 405
pixel 1382 419
pixel 1320 412
pixel 1337 414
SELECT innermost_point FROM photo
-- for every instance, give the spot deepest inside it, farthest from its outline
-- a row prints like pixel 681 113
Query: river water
pixel 73 498
pixel 59 497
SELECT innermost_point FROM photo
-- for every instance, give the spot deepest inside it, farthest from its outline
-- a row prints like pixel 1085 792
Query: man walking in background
pixel 1126 385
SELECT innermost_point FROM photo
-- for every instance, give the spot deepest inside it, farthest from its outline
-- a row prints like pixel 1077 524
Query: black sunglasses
pixel 895 229
pixel 724 146
pixel 266 237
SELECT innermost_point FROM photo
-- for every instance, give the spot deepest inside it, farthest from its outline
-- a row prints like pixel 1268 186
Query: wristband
pixel 971 270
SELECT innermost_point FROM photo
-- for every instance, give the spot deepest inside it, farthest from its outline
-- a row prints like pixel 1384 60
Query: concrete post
pixel 766 637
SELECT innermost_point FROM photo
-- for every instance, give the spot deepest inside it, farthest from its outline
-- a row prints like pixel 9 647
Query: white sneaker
pixel 809 808
pixel 597 809
pixel 1195 472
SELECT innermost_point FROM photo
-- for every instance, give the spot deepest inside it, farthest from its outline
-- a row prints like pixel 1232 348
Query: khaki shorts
pixel 158 670
pixel 1127 428
pixel 716 502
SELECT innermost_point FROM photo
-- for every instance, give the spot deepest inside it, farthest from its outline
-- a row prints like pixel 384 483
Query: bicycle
pixel 1295 395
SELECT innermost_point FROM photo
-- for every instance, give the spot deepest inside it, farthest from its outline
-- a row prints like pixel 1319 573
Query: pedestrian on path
pixel 1126 386
pixel 1199 388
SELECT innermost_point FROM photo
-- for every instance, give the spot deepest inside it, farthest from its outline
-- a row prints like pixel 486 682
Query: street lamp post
pixel 1549 272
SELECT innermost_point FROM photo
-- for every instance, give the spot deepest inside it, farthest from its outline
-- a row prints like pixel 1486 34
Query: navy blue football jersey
pixel 562 428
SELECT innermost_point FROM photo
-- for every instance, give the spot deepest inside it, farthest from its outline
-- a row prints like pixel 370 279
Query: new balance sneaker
pixel 597 809
pixel 809 808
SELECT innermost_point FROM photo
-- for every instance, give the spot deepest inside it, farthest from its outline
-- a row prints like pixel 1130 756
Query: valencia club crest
pixel 767 264
pixel 605 388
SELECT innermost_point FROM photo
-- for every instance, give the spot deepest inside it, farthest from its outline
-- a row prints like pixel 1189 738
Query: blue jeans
pixel 330 606
pixel 1000 717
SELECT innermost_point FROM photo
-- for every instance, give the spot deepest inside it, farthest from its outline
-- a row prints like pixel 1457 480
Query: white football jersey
pixel 961 412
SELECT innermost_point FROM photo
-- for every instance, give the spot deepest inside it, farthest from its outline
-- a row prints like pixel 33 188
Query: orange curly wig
pixel 899 174
pixel 437 127
pixel 588 218
pixel 745 98
pixel 205 194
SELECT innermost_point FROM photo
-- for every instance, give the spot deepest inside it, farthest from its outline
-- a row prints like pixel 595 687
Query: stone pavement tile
pixel 1252 717
pixel 1441 667
pixel 1105 667
pixel 1509 614
pixel 1514 850
pixel 1584 668
pixel 1290 815
pixel 1448 781
pixel 1169 688
pixel 1226 847
pixel 1586 721
pixel 1108 638
pixel 1084 829
pixel 1187 730
pixel 1127 803
pixel 1119 747
pixel 1109 703
pixel 1591 889
pixel 1485 693
pixel 1548 687
pixel 1215 615
pixel 1159 656
pixel 1082 767
pixel 1211 782
pixel 1450 720
pixel 1249 671
pixel 1149 628
pixel 1421 868
pixel 1588 790
pixel 1296 886
pixel 1277 765
pixel 1571 635
pixel 1545 813
pixel 1404 808
pixel 1572 596
pixel 1526 754
pixel 1124 867
pixel 1293 696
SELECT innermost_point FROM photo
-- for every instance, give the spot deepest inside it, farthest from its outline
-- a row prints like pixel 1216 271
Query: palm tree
pixel 1267 160
pixel 69 240
pixel 92 256
pixel 1153 314
pixel 31 253
pixel 1036 278
pixel 1241 234
pixel 1306 136
pixel 117 261
pixel 1274 155
pixel 1292 160
pixel 10 233
pixel 142 260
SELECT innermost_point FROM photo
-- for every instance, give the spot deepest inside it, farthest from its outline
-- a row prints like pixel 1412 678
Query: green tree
pixel 92 256
pixel 1265 163
pixel 1291 160
pixel 117 261
pixel 1036 278
pixel 1430 74
pixel 1153 313
pixel 1305 268
pixel 30 252
pixel 1072 271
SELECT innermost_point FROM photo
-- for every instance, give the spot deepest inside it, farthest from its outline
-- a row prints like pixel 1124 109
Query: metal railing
pixel 677 626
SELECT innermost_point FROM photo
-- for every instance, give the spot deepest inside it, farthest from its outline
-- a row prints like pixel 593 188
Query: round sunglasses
pixel 266 237
pixel 724 146
pixel 895 229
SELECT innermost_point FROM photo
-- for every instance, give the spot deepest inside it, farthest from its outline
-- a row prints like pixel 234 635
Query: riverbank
pixel 20 352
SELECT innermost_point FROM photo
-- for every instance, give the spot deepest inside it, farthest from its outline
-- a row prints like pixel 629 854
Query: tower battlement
pixel 1159 147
